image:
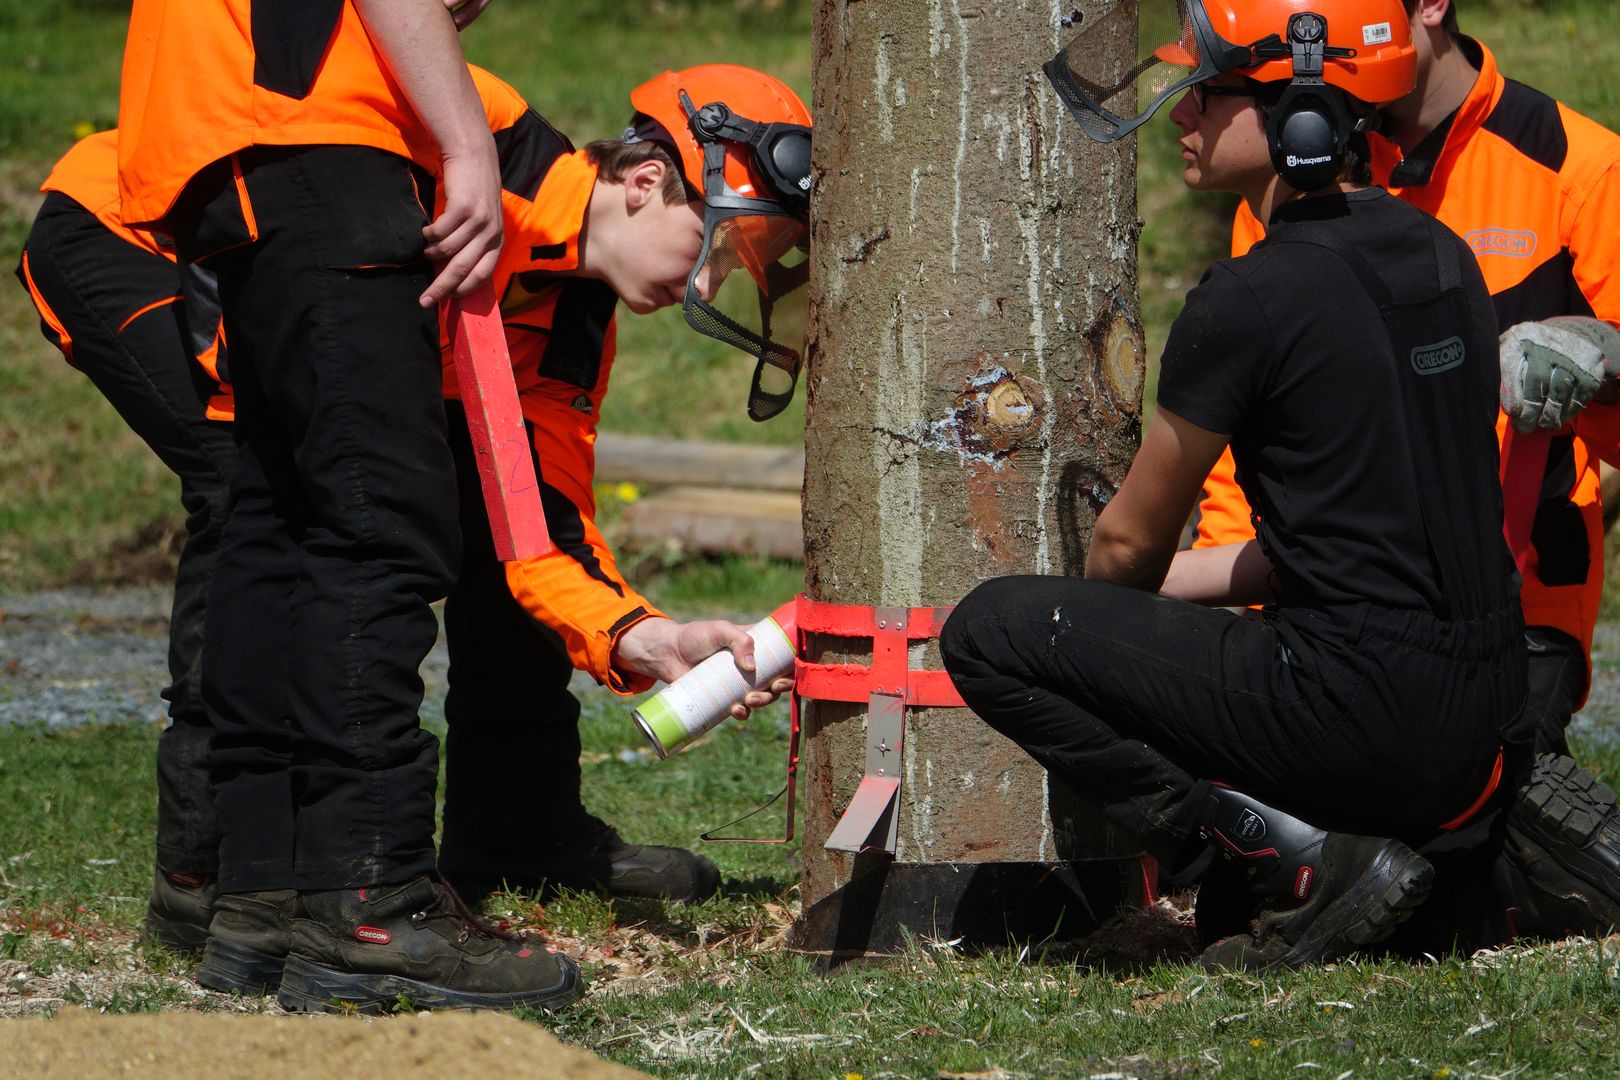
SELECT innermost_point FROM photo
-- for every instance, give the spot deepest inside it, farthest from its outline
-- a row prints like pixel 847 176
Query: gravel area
pixel 78 656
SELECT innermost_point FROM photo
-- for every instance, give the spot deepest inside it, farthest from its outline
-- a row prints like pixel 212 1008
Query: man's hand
pixel 466 236
pixel 1552 369
pixel 666 650
pixel 417 40
pixel 465 11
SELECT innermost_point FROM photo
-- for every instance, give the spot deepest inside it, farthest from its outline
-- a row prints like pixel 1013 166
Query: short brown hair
pixel 614 158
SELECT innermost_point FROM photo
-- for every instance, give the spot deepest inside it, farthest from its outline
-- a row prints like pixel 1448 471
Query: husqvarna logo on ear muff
pixel 1433 359
pixel 1295 161
pixel 1250 826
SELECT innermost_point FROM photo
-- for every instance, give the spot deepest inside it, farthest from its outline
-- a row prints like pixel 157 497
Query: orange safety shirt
pixel 203 79
pixel 561 332
pixel 88 174
pixel 1534 188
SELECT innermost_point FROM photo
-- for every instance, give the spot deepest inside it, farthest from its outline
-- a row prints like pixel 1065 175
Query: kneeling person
pixel 1349 361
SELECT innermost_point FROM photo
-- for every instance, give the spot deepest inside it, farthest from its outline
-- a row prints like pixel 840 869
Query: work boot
pixel 1318 895
pixel 248 941
pixel 381 947
pixel 594 859
pixel 1563 839
pixel 178 913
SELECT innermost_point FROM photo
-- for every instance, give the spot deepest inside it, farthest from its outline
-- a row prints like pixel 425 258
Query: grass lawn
pixel 708 991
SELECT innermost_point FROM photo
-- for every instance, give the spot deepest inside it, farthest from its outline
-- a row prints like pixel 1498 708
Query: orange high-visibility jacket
pixel 561 333
pixel 1534 188
pixel 203 79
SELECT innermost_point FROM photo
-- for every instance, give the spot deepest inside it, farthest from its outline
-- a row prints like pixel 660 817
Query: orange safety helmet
pixel 677 108
pixel 742 139
pixel 1362 47
pixel 1369 52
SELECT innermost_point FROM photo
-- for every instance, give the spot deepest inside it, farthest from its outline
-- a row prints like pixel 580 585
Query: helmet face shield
pixel 742 140
pixel 749 289
pixel 1109 108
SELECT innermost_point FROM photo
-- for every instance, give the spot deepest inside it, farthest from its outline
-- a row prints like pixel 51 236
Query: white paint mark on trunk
pixel 1046 817
pixel 881 74
pixel 1029 229
pixel 899 388
pixel 961 135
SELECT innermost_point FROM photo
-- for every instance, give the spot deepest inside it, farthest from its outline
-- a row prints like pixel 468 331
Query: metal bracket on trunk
pixel 877 800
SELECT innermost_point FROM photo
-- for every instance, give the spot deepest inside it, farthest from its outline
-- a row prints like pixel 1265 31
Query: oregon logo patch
pixel 1250 826
pixel 1513 243
pixel 1433 359
pixel 373 936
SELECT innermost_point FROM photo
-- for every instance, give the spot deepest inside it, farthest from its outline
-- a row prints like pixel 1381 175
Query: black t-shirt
pixel 1287 352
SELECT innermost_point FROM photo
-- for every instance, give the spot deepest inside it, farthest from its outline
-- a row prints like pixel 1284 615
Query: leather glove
pixel 1551 369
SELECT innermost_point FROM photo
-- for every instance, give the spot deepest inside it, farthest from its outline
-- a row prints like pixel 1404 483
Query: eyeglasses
pixel 1202 91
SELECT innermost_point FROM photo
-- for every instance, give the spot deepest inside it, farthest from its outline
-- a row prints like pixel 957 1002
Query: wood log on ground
pixel 720 521
pixel 644 459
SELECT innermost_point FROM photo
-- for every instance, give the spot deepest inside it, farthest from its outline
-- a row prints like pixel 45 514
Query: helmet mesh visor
pixel 1109 102
pixel 750 292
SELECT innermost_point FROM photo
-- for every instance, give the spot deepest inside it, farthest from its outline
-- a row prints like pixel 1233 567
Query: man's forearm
pixel 1231 575
pixel 417 39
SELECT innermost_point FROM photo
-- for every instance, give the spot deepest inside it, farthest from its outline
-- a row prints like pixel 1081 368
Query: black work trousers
pixel 1557 685
pixel 342 528
pixel 1362 720
pixel 123 313
pixel 512 747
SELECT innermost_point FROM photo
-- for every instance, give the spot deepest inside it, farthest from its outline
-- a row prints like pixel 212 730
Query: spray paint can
pixel 698 701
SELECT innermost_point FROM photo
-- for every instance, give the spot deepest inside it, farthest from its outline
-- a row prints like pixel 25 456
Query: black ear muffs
pixel 1308 133
pixel 1310 126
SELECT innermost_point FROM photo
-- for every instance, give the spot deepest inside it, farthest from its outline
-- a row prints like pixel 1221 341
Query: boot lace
pixel 448 904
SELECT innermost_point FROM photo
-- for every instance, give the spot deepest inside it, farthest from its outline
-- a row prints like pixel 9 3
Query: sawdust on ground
pixel 82 1043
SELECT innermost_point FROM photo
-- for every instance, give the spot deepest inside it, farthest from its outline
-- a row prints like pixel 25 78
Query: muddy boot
pixel 179 911
pixel 248 941
pixel 1319 895
pixel 594 859
pixel 1563 851
pixel 415 945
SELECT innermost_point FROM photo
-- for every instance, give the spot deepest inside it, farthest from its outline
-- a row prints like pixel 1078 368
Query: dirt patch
pixel 81 1043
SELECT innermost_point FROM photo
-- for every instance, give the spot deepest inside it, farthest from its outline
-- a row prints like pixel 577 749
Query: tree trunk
pixel 975 389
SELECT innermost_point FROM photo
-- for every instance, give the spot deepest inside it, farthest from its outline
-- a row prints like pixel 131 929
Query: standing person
pixel 514 744
pixel 110 298
pixel 1350 363
pixel 1534 187
pixel 293 151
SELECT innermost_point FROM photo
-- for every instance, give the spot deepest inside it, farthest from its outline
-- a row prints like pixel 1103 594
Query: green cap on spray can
pixel 702 698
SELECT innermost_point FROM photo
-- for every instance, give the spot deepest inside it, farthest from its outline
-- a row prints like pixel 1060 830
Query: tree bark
pixel 975 379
